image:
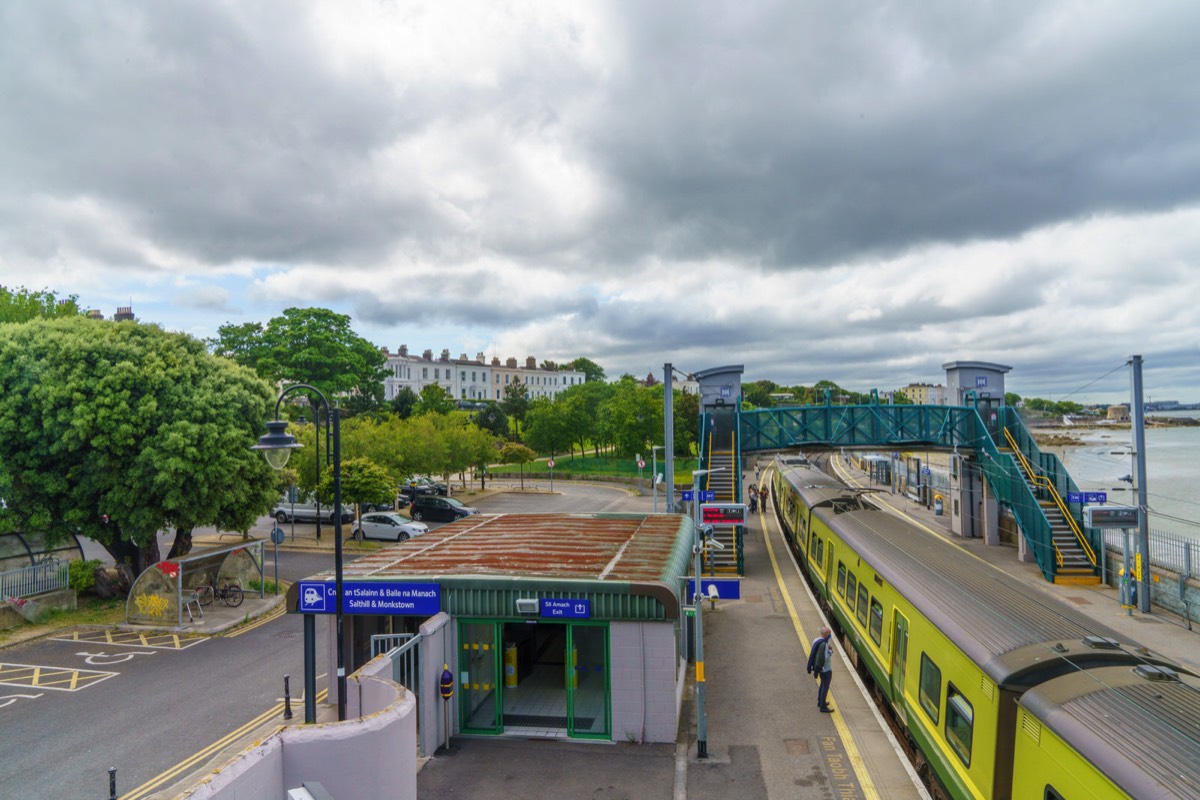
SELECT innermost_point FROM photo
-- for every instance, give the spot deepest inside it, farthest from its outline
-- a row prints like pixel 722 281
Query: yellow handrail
pixel 1041 480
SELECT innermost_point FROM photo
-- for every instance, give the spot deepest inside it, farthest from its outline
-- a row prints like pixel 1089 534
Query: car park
pixel 422 485
pixel 388 526
pixel 286 511
pixel 442 509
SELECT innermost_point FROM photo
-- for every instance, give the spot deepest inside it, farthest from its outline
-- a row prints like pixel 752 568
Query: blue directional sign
pixel 370 597
pixel 1087 497
pixel 707 496
pixel 566 607
pixel 727 588
pixel 1074 497
pixel 688 495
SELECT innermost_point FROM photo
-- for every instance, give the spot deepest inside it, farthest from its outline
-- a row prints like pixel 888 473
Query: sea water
pixel 1105 455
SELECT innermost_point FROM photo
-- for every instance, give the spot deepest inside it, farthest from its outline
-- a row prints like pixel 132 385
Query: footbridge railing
pixel 910 426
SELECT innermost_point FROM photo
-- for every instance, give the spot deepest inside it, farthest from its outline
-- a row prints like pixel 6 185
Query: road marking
pixel 8 699
pixel 191 762
pixel 274 613
pixel 157 641
pixel 59 679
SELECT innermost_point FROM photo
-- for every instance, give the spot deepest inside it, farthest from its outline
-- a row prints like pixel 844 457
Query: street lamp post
pixel 698 615
pixel 276 446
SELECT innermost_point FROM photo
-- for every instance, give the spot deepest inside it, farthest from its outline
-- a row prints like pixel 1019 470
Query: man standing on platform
pixel 820 666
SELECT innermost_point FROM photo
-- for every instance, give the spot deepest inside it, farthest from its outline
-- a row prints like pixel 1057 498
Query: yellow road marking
pixel 843 731
pixel 274 613
pixel 160 641
pixel 51 677
pixel 192 761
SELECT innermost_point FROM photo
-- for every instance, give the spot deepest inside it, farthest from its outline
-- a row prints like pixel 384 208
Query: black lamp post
pixel 277 446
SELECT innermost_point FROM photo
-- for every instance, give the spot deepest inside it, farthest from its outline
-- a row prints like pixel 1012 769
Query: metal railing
pixel 49 576
pixel 404 651
pixel 1169 551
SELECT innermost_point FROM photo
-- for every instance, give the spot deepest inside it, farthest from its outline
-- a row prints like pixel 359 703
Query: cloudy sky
pixel 854 191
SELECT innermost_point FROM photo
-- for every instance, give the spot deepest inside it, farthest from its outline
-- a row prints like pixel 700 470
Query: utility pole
pixel 1139 474
pixel 669 437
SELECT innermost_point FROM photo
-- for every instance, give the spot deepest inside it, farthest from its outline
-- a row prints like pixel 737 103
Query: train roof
pixel 1138 725
pixel 816 488
pixel 1016 635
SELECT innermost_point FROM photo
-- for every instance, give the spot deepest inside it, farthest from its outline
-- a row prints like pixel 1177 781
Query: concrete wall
pixel 437 649
pixel 373 756
pixel 645 681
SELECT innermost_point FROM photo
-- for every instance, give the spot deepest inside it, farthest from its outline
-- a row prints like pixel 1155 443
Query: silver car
pixel 389 526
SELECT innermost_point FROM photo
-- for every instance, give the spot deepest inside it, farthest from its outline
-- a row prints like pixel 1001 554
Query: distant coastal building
pixel 1118 414
pixel 473 379
pixel 925 394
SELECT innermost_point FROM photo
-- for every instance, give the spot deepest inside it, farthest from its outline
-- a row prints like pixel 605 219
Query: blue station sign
pixel 370 597
pixel 566 607
pixel 1087 497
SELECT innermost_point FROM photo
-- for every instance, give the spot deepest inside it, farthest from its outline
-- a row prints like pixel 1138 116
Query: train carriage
pixel 950 642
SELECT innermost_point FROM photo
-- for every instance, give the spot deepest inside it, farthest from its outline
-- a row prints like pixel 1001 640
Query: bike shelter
pixel 165 592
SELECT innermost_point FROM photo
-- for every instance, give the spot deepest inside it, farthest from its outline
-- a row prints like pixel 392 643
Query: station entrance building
pixel 552 625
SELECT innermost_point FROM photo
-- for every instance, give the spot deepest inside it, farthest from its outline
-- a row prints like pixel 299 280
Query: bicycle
pixel 230 593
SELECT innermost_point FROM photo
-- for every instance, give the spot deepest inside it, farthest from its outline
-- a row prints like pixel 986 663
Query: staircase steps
pixel 722 484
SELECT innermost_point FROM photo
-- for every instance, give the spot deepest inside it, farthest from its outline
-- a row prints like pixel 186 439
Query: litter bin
pixel 937 505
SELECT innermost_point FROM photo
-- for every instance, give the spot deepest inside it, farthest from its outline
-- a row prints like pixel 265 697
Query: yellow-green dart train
pixel 999 692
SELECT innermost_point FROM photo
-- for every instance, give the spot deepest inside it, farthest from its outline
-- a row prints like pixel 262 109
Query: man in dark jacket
pixel 820 666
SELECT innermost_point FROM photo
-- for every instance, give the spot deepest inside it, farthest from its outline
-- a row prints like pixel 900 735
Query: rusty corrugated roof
pixel 606 547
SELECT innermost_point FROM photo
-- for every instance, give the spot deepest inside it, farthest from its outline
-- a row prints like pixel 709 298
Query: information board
pixel 723 513
pixel 1111 517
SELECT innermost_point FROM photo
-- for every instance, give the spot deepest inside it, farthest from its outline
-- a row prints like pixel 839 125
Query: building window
pixel 960 723
pixel 931 687
pixel 424 373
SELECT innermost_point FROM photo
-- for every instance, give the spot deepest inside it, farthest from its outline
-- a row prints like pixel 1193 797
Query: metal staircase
pixel 1075 559
pixel 724 485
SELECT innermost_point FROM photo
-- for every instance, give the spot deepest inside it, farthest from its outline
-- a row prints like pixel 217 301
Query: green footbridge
pixel 1031 485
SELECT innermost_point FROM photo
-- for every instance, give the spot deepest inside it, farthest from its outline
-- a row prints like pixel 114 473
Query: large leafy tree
pixel 492 418
pixel 308 345
pixel 22 305
pixel 581 407
pixel 590 369
pixel 630 418
pixel 117 430
pixel 516 402
pixel 433 400
pixel 546 428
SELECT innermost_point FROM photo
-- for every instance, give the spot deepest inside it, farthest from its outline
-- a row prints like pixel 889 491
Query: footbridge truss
pixel 1030 484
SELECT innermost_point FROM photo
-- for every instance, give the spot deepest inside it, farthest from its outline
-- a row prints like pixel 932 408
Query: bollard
pixel 287 697
pixel 112 783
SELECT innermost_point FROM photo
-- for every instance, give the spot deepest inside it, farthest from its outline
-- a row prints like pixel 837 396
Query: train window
pixel 862 604
pixel 851 586
pixel 842 578
pixel 876 627
pixel 931 687
pixel 960 723
pixel 820 551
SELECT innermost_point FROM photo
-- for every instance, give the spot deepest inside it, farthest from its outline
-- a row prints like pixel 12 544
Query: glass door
pixel 479 697
pixel 586 661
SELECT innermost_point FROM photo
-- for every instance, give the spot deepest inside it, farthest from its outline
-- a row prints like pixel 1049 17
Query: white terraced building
pixel 472 379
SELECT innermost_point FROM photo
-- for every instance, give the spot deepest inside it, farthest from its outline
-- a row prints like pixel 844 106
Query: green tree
pixel 404 402
pixel 433 400
pixel 515 402
pixel 23 305
pixel 363 481
pixel 119 430
pixel 758 393
pixel 582 410
pixel 513 453
pixel 685 408
pixel 590 369
pixel 1012 399
pixel 630 417
pixel 492 418
pixel 307 345
pixel 546 429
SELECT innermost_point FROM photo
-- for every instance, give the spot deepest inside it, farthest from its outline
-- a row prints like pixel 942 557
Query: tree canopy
pixel 307 345
pixel 590 369
pixel 118 430
pixel 23 305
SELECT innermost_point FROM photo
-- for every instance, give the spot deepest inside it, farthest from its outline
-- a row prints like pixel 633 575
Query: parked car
pixel 422 485
pixel 286 511
pixel 443 509
pixel 389 526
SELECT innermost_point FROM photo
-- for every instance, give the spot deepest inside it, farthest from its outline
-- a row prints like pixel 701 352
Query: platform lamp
pixel 277 446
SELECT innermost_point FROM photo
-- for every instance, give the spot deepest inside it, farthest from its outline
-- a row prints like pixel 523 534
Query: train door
pixel 899 661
